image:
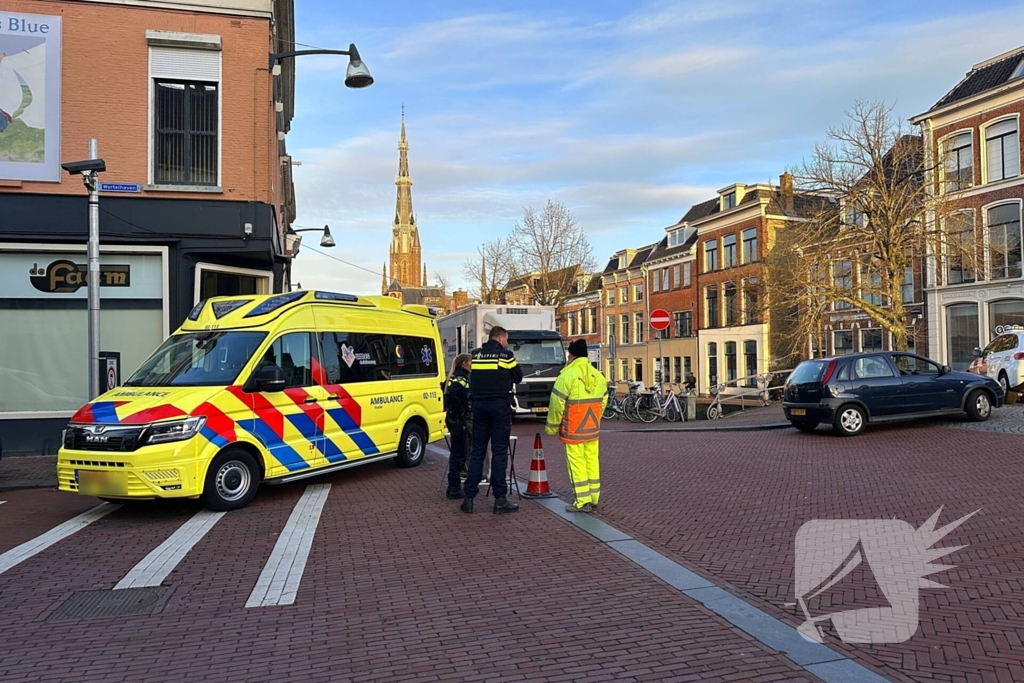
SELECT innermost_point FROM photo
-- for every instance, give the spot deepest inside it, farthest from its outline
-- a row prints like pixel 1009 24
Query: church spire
pixel 424 275
pixel 405 240
pixel 384 280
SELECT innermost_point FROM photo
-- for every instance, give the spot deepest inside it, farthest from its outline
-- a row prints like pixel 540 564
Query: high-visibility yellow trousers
pixel 584 471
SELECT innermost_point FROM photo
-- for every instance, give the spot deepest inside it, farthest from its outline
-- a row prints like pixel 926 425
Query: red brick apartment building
pixel 973 134
pixel 672 286
pixel 197 192
pixel 623 288
pixel 579 317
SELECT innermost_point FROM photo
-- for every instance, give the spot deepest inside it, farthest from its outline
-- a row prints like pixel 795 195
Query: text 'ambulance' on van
pixel 263 388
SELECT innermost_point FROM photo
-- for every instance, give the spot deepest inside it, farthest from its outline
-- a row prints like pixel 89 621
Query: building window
pixel 664 279
pixel 751 302
pixel 729 251
pixel 687 365
pixel 1002 150
pixel 572 323
pixel 711 318
pixel 961 251
pixel 684 323
pixel 593 321
pixel 870 283
pixel 728 201
pixel 676 279
pixel 1006 315
pixel 750 362
pixel 638 370
pixel 710 256
pixel 959 162
pixel 1004 241
pixel 638 292
pixel 842 279
pixel 750 245
pixel 907 286
pixel 610 326
pixel 961 335
pixel 655 282
pixel 712 363
pixel 842 342
pixel 688 274
pixel 625 329
pixel 855 216
pixel 638 322
pixel 624 364
pixel 186 127
pixel 624 295
pixel 610 297
pixel 730 361
pixel 870 340
pixel 732 313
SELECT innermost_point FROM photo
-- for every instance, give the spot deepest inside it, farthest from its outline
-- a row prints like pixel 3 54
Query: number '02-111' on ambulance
pixel 263 388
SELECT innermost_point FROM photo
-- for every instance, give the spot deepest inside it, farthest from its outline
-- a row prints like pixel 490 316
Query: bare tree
pixel 444 281
pixel 550 252
pixel 490 270
pixel 865 226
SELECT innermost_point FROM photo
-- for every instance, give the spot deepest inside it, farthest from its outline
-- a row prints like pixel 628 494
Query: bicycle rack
pixel 761 391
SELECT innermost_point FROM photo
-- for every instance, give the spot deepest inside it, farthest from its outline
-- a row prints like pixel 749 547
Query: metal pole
pixel 91 182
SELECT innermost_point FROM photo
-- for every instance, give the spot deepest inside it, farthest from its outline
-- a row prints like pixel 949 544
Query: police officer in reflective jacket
pixel 494 372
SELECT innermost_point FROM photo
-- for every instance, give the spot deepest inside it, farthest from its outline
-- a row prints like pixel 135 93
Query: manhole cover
pixel 119 603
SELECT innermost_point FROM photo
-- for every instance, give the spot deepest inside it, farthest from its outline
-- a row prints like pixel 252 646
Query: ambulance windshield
pixel 198 359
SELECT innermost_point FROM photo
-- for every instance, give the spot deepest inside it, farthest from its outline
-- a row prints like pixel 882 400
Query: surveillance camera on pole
pixel 90 169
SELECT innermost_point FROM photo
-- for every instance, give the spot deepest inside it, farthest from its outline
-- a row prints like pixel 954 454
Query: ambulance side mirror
pixel 270 379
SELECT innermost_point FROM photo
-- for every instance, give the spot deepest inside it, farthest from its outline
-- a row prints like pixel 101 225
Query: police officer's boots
pixel 467 506
pixel 501 505
pixel 455 493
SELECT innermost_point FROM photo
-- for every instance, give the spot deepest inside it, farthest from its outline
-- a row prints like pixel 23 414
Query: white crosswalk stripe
pixel 16 556
pixel 156 566
pixel 279 581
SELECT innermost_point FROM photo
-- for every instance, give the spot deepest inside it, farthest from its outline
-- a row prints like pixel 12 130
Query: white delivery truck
pixel 532 336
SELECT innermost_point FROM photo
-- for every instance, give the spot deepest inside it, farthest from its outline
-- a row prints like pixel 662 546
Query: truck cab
pixel 541 355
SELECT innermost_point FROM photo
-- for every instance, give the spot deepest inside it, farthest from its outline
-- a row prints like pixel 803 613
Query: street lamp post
pixel 90 170
pixel 293 241
pixel 356 76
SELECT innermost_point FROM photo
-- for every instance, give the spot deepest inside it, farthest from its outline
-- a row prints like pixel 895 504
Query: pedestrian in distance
pixel 494 372
pixel 458 417
pixel 574 414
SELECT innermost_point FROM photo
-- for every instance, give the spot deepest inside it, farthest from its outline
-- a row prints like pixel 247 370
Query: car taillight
pixel 828 372
pixel 1019 355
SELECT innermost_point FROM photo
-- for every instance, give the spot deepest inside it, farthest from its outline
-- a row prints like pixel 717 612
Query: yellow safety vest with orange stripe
pixel 577 402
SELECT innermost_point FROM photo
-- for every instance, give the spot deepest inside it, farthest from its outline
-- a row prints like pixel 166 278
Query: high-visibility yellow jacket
pixel 577 402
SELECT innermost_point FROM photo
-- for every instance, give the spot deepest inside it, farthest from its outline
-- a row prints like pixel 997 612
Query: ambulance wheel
pixel 412 446
pixel 231 481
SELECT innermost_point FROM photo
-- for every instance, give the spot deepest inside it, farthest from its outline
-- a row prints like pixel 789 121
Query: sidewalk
pixel 28 472
pixel 751 419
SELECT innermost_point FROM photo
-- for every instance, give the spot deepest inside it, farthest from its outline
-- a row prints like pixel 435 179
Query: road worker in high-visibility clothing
pixel 574 414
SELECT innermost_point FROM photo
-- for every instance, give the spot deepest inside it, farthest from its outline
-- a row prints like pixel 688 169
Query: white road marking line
pixel 279 581
pixel 2 502
pixel 156 566
pixel 16 556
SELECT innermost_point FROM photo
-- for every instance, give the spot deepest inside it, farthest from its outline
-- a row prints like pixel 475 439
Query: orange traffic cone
pixel 538 484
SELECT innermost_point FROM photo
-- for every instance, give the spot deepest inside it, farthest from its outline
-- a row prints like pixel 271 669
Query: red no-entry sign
pixel 660 319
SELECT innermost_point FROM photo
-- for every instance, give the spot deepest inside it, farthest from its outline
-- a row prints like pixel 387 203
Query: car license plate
pixel 540 410
pixel 100 483
pixel 797 411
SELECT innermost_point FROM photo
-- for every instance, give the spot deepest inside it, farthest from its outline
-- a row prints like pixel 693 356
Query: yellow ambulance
pixel 263 388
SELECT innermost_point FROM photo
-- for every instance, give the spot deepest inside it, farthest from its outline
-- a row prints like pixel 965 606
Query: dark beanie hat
pixel 578 348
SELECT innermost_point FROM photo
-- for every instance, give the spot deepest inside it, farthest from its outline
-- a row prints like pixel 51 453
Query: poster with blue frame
pixel 30 66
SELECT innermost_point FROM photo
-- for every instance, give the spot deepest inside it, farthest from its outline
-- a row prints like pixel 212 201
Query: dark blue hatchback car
pixel 848 392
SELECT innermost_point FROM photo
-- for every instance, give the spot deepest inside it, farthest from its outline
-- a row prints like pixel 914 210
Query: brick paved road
pixel 728 505
pixel 399 586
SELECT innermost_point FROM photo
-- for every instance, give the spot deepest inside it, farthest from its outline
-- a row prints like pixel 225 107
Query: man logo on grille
pixel 897 555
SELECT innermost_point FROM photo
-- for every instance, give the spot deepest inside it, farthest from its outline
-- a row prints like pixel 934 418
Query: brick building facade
pixel 623 291
pixel 672 286
pixel 579 317
pixel 975 291
pixel 190 121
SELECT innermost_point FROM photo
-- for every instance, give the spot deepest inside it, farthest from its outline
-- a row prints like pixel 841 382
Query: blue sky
pixel 628 112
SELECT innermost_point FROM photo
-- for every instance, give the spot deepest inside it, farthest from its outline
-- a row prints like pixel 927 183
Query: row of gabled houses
pixel 708 269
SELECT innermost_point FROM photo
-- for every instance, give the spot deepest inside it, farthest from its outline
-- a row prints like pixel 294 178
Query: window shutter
pixel 182 64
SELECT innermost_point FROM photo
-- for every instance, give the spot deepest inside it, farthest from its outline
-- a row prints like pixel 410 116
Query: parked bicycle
pixel 658 404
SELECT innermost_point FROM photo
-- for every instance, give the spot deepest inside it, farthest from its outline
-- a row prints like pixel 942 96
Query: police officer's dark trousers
pixel 492 421
pixel 459 436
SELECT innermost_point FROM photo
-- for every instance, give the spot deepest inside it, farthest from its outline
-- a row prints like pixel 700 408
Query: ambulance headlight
pixel 177 430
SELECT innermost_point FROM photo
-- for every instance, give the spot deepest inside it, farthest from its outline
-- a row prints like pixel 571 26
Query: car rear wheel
pixel 231 481
pixel 979 406
pixel 412 446
pixel 850 420
pixel 805 427
pixel 1004 382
